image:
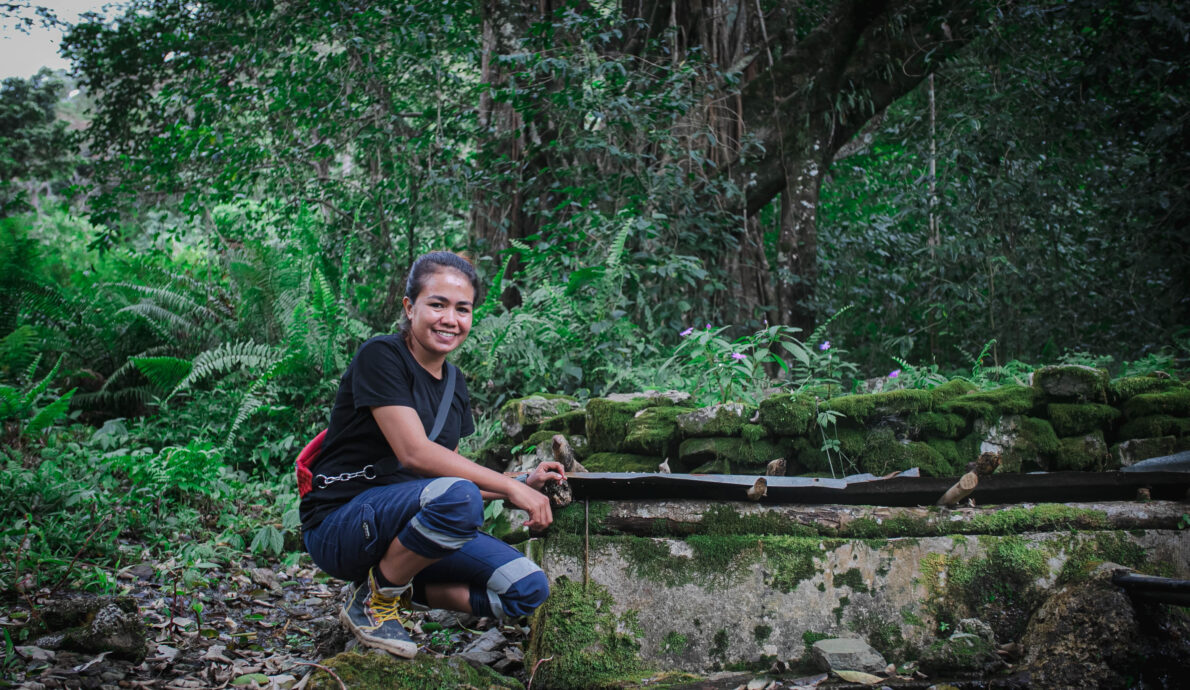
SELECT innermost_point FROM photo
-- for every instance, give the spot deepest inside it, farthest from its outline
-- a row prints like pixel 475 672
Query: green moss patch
pixel 590 645
pixel 1113 547
pixel 883 453
pixel 937 424
pixel 1155 425
pixel 723 519
pixel 1046 517
pixel 1123 389
pixel 716 420
pixel 864 407
pixel 607 420
pixel 993 404
pixel 730 455
pixel 573 422
pixel 1175 403
pixel 380 671
pixel 1084 453
pixel 852 578
pixel 621 462
pixel 654 431
pixel 1073 419
pixel 789 415
pixel 951 390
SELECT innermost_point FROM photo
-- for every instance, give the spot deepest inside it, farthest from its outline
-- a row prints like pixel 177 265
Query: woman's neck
pixel 433 362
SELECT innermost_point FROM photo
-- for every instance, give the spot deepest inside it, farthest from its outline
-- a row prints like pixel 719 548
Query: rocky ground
pixel 250 626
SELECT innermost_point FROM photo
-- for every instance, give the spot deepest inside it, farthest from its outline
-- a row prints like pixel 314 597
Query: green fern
pixel 225 358
pixel 163 372
pixel 18 348
pixel 48 415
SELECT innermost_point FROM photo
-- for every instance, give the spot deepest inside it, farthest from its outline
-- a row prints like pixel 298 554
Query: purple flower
pixel 687 332
pixel 826 345
pixel 708 326
pixel 894 373
pixel 737 356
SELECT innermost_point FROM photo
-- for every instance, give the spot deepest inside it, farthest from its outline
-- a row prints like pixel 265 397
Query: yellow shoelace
pixel 385 609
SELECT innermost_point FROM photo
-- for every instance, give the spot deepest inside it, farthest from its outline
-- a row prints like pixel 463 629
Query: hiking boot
pixel 373 615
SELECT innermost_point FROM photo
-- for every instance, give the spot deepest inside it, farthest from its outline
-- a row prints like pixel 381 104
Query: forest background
pixel 203 218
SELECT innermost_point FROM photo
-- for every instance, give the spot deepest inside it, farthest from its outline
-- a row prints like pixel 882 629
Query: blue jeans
pixel 435 518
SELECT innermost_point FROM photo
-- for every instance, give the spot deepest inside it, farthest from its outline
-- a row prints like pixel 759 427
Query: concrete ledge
pixel 708 601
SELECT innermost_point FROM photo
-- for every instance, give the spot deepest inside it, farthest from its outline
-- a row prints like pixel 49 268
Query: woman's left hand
pixel 544 472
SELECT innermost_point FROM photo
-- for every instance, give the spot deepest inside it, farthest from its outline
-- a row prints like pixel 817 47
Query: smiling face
pixel 439 317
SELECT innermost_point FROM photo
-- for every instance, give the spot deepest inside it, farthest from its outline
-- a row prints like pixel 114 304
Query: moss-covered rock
pixel 1072 382
pixel 865 407
pixel 810 455
pixel 588 645
pixel 607 420
pixel 1087 452
pixel 937 425
pixel 1123 389
pixel 1130 452
pixel 621 462
pixel 729 455
pixel 522 416
pixel 717 420
pixel 993 404
pixel 1175 403
pixel 789 415
pixel 653 431
pixel 960 653
pixel 377 670
pixel 1070 419
pixel 573 422
pixel 883 453
pixel 952 453
pixel 951 390
pixel 1025 443
pixel 1156 425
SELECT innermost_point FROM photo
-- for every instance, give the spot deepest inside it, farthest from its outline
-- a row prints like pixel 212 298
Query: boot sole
pixel 405 650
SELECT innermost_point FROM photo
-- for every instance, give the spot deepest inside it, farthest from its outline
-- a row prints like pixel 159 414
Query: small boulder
pixel 98 624
pixel 1090 634
pixel 1128 453
pixel 847 654
pixel 961 653
pixel 487 649
pixel 521 417
pixel 1072 382
pixel 717 420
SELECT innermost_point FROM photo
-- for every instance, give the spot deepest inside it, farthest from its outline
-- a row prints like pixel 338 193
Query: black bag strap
pixel 444 407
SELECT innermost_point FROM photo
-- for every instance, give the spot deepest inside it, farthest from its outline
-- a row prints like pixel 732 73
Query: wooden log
pixel 960 490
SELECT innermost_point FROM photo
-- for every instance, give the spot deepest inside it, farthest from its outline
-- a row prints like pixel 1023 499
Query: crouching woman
pixel 393 507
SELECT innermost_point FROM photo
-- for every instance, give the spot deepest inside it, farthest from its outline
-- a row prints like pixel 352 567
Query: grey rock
pixel 1178 462
pixel 35 653
pixel 847 654
pixel 1130 452
pixel 519 418
pixel 1072 382
pixel 99 624
pixel 675 397
pixel 451 619
pixel 717 420
pixel 487 649
pixel 974 626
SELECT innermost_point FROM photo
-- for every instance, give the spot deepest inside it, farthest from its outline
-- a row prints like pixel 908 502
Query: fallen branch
pixel 334 675
pixel 534 672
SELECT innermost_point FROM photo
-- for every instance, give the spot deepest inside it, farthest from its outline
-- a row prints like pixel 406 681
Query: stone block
pixel 1072 382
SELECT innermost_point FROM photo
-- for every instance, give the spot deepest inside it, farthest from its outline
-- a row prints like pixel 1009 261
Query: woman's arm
pixel 403 430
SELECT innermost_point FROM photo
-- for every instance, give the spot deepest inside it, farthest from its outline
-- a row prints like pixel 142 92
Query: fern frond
pixel 161 319
pixel 49 414
pixel 178 302
pixel 254 397
pixel 820 331
pixel 492 300
pixel 163 372
pixel 225 358
pixel 18 348
pixel 41 386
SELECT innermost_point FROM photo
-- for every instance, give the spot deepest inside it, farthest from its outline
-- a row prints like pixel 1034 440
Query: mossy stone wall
pixel 1071 418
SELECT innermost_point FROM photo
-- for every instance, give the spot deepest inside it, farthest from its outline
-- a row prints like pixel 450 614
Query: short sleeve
pixel 381 378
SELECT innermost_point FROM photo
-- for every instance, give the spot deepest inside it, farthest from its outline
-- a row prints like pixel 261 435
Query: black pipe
pixel 1163 589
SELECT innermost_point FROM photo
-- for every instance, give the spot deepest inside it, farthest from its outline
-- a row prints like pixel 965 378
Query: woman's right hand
pixel 533 502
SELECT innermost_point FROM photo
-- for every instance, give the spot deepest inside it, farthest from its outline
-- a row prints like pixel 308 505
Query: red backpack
pixel 306 458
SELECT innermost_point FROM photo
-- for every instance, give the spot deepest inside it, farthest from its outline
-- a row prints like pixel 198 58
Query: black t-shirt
pixel 383 372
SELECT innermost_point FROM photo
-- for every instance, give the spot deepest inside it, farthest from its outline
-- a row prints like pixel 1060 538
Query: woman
pixel 398 513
